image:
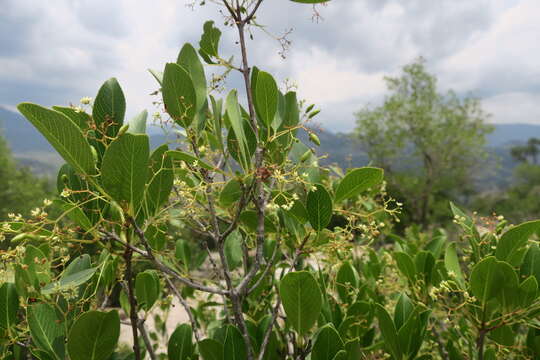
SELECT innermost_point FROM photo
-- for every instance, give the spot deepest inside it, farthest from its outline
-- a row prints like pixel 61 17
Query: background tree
pixel 20 190
pixel 429 143
pixel 527 153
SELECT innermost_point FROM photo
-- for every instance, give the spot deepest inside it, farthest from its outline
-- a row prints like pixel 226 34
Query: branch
pixel 133 317
pixel 186 307
pixel 250 16
pixel 146 339
pixel 164 268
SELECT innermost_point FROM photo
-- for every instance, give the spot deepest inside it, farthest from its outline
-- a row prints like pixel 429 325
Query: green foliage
pixel 21 191
pixel 428 141
pixel 268 254
pixel 301 299
pixel 94 336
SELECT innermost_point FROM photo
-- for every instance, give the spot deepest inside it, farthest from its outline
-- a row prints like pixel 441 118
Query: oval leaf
pixel 147 289
pixel 234 347
pixel 94 336
pixel 357 181
pixel 109 108
pixel 210 349
pixel 328 344
pixel 180 345
pixel 266 97
pixel 63 134
pixel 9 305
pixel 124 169
pixel 319 207
pixel 46 330
pixel 302 300
pixel 179 94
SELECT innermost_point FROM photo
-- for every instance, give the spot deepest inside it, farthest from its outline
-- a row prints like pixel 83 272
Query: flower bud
pixel 123 130
pixel 306 156
pixel 314 139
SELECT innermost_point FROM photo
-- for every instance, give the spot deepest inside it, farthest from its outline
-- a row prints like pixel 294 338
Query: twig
pixel 134 319
pixel 164 268
pixel 146 339
pixel 186 307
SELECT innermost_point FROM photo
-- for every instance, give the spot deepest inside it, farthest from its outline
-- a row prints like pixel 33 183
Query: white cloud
pixel 58 51
pixel 514 107
pixel 501 59
pixel 324 79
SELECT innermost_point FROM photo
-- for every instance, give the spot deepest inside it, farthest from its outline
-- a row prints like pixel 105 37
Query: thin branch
pixel 134 318
pixel 250 16
pixel 146 339
pixel 164 268
pixel 186 307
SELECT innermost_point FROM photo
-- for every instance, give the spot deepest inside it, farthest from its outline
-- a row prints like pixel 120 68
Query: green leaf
pixel 210 349
pixel 515 238
pixel 209 44
pixel 80 118
pixel 180 345
pixel 250 220
pixel 357 181
pixel 183 254
pixel 38 272
pixel 404 309
pixel 491 278
pixel 75 213
pixel 389 332
pixel 503 335
pixel 124 169
pixel 231 193
pixel 302 300
pixel 189 60
pixel 46 330
pixel 156 236
pixel 451 262
pixel 528 292
pixel 531 263
pixel 63 134
pixel 292 114
pixel 9 305
pixel 341 355
pixel 266 98
pixel 319 207
pixel 233 249
pixel 234 347
pixel 137 125
pixel 327 344
pixel 69 280
pixel 237 124
pixel 424 264
pixel 109 108
pixel 458 212
pixel 161 180
pixel 179 94
pixel 94 336
pixel 405 264
pixel 189 159
pixel 147 289
pixel 158 75
pixel 346 281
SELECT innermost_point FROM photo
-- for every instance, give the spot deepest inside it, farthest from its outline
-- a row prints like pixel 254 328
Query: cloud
pixel 57 52
pixel 511 107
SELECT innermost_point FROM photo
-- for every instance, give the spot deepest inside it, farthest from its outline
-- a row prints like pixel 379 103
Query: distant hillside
pixel 33 150
pixel 505 134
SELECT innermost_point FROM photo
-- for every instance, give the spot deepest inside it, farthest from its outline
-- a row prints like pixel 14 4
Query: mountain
pixel 33 150
pixel 506 134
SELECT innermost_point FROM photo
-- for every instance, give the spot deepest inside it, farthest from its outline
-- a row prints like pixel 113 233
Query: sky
pixel 57 51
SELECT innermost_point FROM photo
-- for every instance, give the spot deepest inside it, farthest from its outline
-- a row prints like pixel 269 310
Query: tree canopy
pixel 427 141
